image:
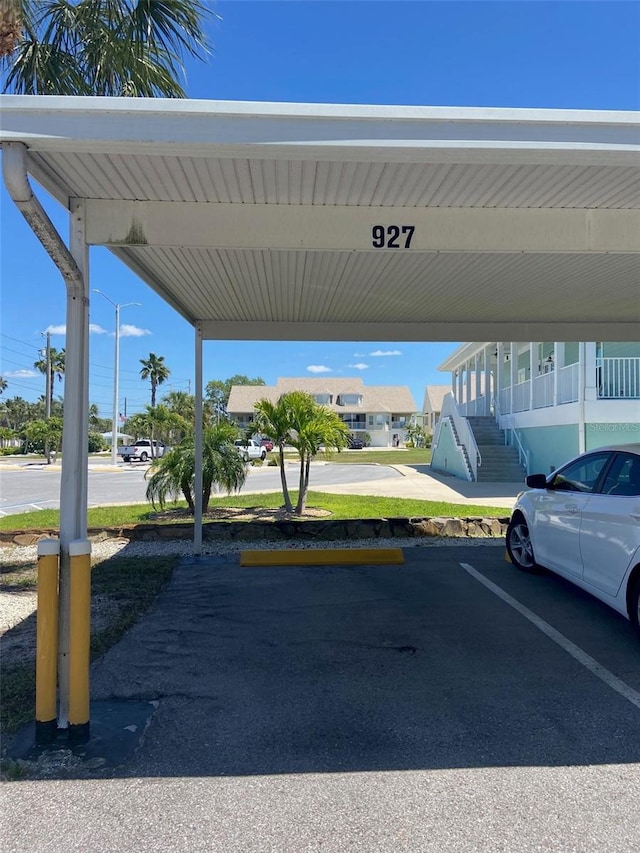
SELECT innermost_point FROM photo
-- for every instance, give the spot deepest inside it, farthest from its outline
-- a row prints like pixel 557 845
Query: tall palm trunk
pixel 283 480
pixel 10 25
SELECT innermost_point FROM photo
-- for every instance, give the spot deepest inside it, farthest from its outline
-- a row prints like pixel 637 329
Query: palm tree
pixel 311 427
pixel 156 371
pixel 56 368
pixel 174 474
pixel 272 420
pixel 3 384
pixel 100 47
pixel 181 403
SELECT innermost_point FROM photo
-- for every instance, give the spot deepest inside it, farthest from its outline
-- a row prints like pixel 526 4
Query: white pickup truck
pixel 140 451
pixel 251 449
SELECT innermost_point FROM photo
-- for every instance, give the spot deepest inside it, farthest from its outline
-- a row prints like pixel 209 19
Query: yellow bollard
pixel 79 639
pixel 47 640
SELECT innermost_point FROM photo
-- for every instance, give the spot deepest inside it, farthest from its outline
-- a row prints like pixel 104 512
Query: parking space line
pixel 576 652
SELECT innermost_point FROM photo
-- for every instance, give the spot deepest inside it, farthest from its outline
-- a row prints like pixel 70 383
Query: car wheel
pixel 519 545
pixel 634 606
pixel 143 457
pixel 245 457
pixel 126 458
pixel 263 455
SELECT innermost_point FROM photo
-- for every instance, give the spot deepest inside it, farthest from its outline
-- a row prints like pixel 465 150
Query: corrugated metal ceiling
pixel 253 181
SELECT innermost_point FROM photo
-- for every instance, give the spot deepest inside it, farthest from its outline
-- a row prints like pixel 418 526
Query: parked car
pixel 355 443
pixel 266 443
pixel 141 451
pixel 583 522
pixel 250 449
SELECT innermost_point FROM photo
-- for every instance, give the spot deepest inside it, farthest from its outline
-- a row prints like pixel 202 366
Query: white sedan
pixel 583 522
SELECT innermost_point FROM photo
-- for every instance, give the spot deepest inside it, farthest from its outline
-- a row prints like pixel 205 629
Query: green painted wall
pixel 627 349
pixel 552 446
pixel 446 456
pixel 549 447
pixel 598 435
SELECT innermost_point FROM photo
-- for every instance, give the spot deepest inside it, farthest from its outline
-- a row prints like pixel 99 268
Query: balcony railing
pixel 543 391
pixel 618 378
pixel 521 393
pixel 568 383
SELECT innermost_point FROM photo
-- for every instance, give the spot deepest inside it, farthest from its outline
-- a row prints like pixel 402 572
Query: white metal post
pixel 582 381
pixel 488 388
pixel 116 375
pixel 558 362
pixel 499 375
pixel 533 369
pixel 513 369
pixel 74 475
pixel 197 520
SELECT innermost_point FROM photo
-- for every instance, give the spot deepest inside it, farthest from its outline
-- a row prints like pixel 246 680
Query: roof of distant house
pixel 395 399
pixel 433 397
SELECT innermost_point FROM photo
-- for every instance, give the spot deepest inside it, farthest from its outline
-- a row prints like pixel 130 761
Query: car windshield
pixel 581 475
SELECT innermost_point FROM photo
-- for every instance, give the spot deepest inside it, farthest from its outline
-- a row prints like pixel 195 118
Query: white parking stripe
pixel 575 651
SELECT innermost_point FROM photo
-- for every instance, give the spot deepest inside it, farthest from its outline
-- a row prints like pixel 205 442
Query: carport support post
pixel 197 520
pixel 73 485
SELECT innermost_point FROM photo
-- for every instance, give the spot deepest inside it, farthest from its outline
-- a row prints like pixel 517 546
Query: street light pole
pixel 116 375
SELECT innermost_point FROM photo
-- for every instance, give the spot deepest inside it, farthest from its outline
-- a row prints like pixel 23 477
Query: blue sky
pixel 582 55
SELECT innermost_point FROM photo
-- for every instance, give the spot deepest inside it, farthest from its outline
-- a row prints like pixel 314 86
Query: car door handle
pixel 572 508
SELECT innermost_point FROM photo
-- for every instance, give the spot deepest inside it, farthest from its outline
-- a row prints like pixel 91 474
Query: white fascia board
pixel 357 332
pixel 322 131
pixel 346 228
pixel 461 355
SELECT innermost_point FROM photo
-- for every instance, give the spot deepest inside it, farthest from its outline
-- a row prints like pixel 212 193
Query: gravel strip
pixel 16 555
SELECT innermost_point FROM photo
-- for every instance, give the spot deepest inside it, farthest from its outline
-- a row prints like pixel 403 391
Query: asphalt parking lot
pixel 400 708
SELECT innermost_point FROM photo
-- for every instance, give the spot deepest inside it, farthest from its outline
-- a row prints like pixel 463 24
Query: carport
pixel 332 222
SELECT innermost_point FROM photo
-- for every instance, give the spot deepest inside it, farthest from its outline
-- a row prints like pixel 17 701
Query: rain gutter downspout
pixel 74 476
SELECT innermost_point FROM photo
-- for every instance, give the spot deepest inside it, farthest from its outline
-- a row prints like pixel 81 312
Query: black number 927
pixel 392 236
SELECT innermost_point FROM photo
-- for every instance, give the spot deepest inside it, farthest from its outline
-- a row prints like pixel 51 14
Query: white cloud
pixel 57 330
pixel 94 329
pixel 20 374
pixel 359 355
pixel 127 331
pixel 358 366
pixel 384 352
pixel 318 368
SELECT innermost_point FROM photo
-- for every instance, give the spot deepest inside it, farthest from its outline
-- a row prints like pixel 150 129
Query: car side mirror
pixel 536 481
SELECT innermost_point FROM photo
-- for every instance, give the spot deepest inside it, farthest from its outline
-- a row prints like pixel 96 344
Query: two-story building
pixel 551 400
pixel 382 411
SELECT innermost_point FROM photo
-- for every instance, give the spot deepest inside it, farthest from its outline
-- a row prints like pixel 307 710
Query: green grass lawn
pixel 340 507
pixel 411 456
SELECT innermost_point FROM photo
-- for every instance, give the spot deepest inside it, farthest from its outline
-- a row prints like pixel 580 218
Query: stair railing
pixel 466 438
pixel 523 455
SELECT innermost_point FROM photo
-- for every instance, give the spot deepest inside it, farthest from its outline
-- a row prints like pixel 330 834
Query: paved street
pixel 34 485
pixel 377 709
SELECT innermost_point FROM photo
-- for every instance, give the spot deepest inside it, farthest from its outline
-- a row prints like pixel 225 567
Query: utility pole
pixel 115 423
pixel 47 355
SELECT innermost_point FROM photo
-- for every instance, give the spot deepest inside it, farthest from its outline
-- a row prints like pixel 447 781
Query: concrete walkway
pixel 421 483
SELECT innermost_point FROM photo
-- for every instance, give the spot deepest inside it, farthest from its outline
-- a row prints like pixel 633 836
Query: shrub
pixel 95 442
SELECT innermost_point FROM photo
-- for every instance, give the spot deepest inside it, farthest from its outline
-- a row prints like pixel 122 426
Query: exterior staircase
pixel 500 462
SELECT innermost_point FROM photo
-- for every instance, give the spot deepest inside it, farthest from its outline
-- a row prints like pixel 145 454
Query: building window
pixel 349 400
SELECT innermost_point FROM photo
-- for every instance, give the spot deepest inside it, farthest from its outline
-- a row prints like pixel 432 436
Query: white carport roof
pixel 302 221
pixel 256 220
